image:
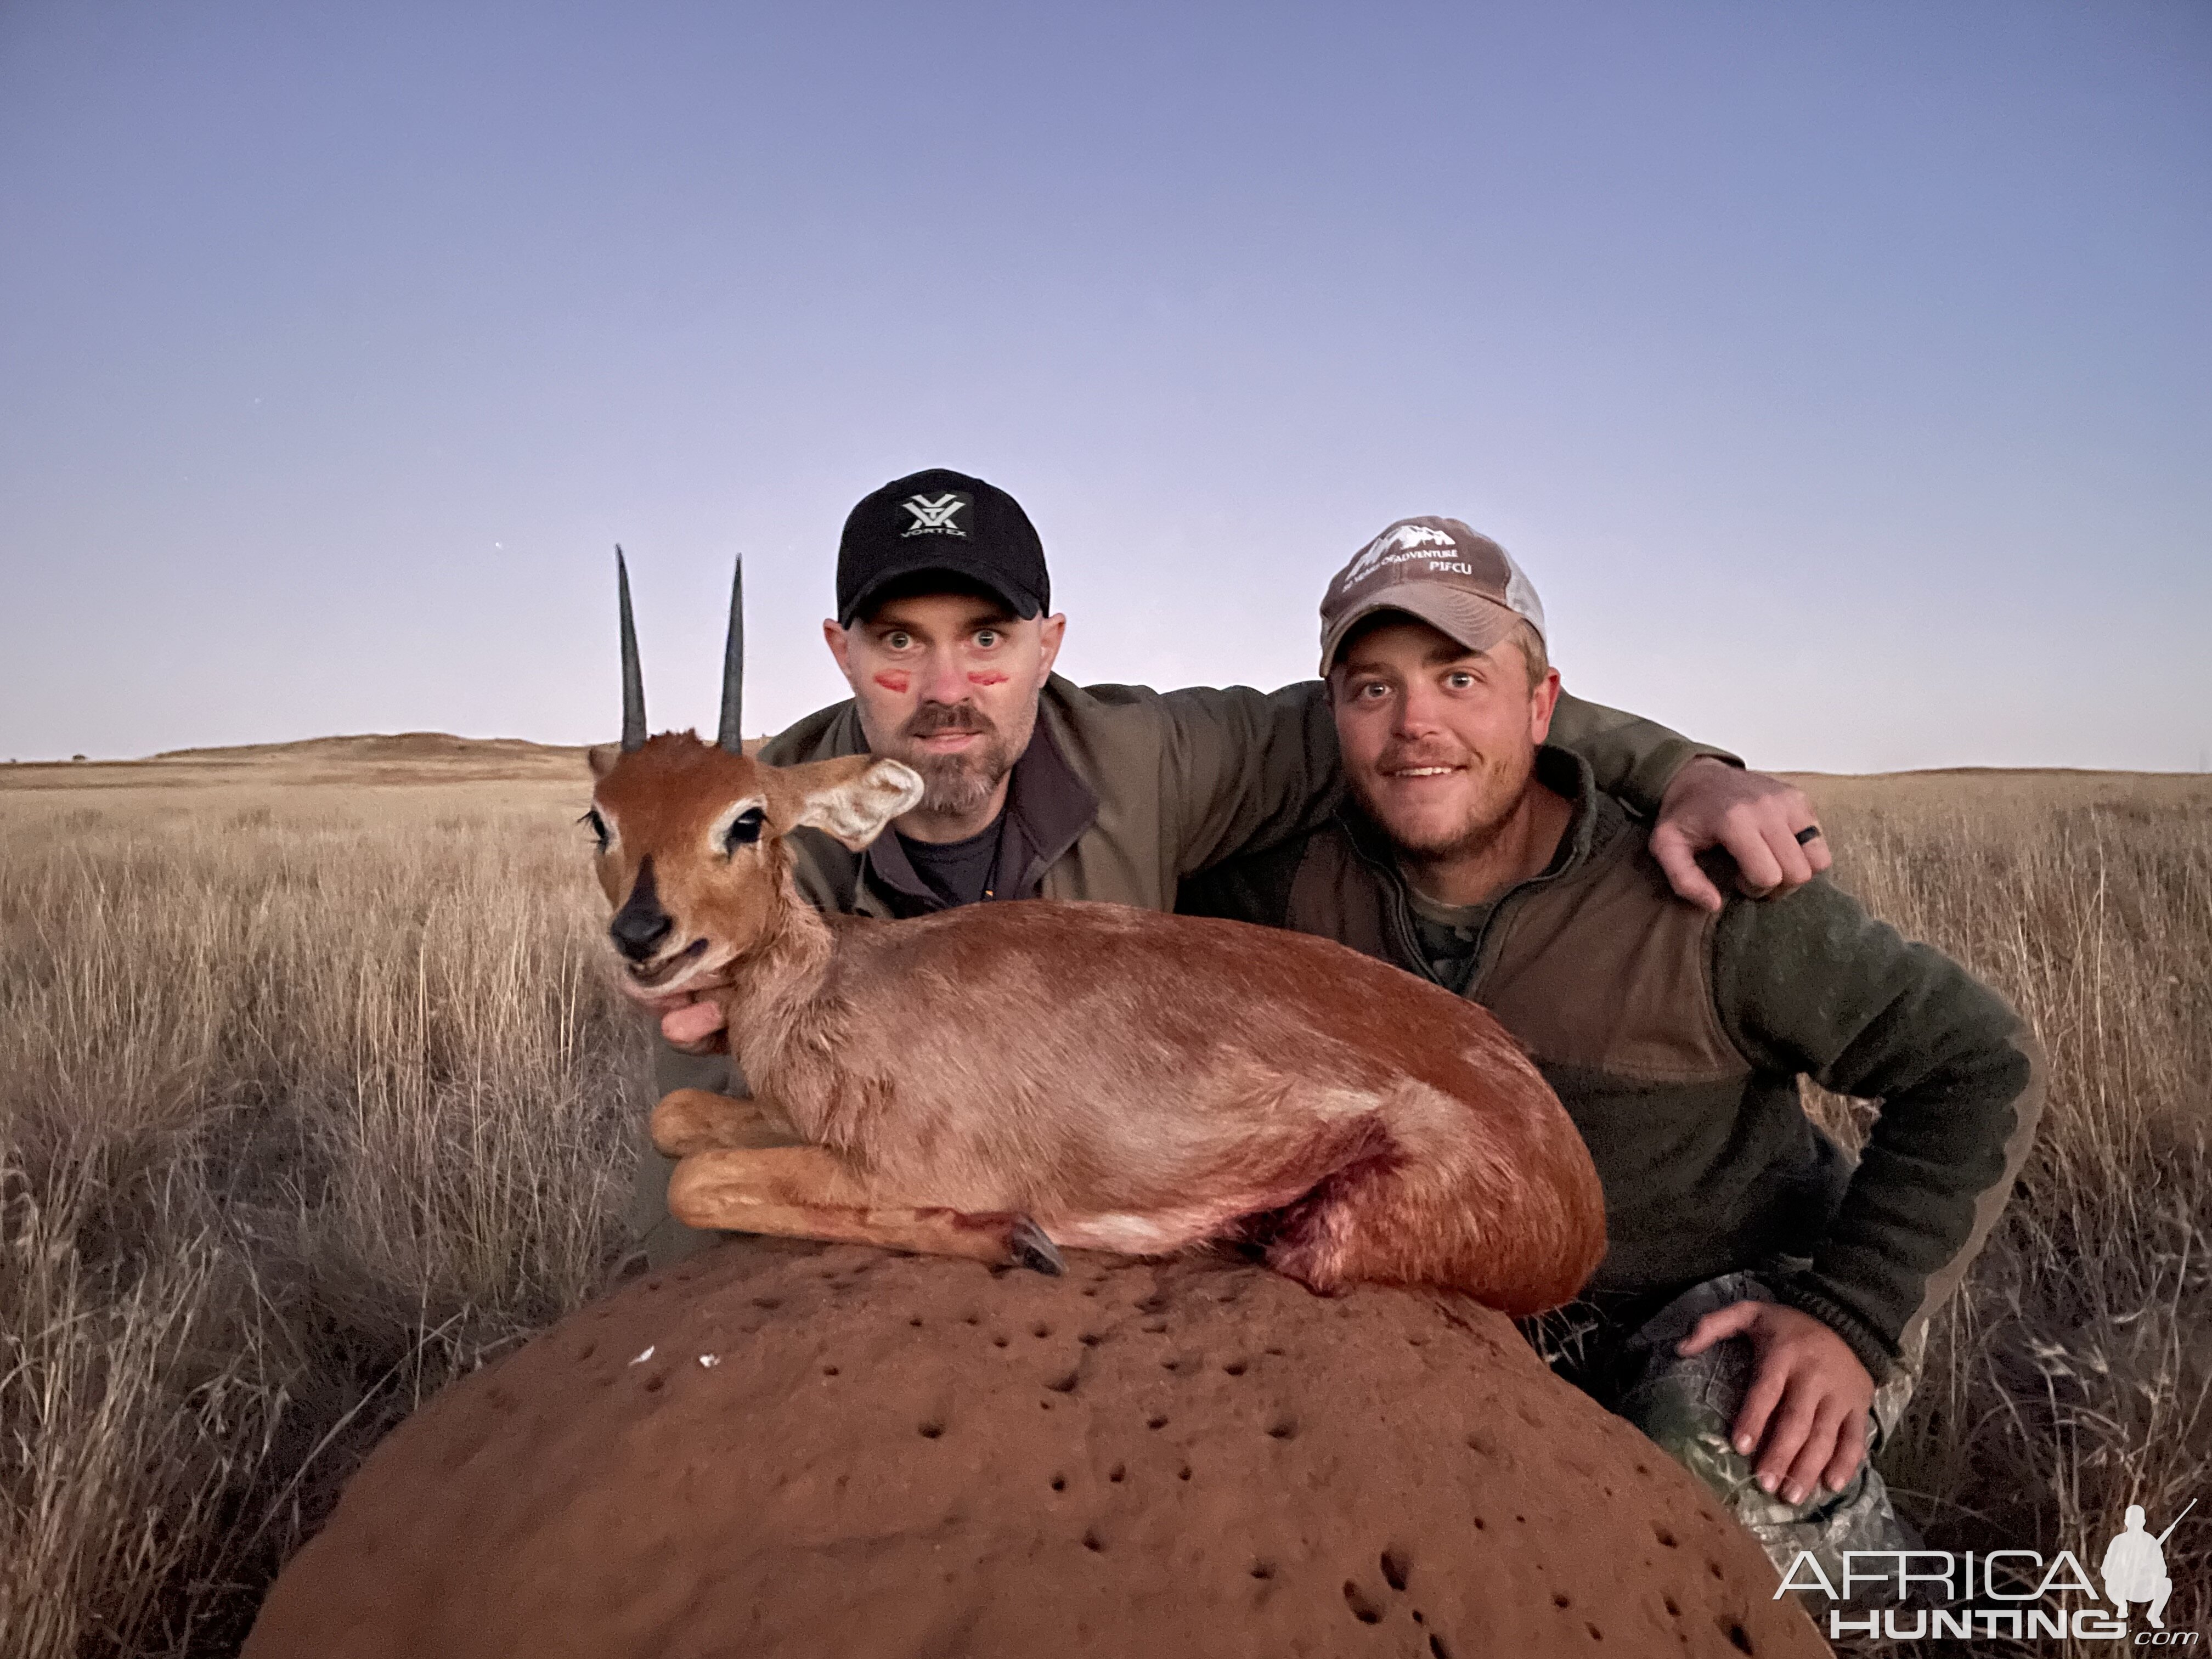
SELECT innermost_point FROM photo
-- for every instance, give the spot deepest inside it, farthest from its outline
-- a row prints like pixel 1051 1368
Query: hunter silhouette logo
pixel 940 517
pixel 2134 1568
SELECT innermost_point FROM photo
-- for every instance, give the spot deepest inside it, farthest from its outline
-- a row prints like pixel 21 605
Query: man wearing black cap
pixel 1040 788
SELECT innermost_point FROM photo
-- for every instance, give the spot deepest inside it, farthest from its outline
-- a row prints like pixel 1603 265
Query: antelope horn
pixel 731 736
pixel 633 676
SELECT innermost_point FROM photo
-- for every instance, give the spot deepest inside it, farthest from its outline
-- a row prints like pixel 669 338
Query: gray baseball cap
pixel 1462 584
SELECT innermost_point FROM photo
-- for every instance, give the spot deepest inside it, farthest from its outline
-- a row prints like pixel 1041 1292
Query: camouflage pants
pixel 1687 1407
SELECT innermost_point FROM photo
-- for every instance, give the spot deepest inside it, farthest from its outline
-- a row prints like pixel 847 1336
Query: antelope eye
pixel 598 826
pixel 744 830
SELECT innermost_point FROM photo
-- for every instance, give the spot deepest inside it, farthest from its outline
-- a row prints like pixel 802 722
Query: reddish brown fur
pixel 1129 1079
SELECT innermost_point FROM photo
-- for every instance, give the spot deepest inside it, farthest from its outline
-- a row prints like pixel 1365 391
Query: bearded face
pixel 957 782
pixel 948 684
pixel 1439 743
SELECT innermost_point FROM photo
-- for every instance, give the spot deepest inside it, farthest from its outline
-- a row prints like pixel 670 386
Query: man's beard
pixel 956 784
pixel 1504 781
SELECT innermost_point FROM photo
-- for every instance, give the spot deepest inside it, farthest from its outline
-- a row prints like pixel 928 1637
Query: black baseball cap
pixel 941 522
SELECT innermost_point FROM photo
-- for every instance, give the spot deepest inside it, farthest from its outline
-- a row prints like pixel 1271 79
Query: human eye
pixel 987 639
pixel 898 640
pixel 1461 679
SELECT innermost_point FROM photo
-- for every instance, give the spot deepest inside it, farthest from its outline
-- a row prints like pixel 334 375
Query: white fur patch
pixel 856 811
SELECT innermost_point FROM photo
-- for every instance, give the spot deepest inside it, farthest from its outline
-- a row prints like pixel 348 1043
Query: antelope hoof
pixel 1031 1249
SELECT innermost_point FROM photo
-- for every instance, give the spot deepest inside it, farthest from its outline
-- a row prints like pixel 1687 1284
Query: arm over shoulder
pixel 1243 771
pixel 1812 984
pixel 1631 757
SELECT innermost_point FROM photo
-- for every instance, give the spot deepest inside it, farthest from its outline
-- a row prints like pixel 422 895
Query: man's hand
pixel 1756 819
pixel 693 1024
pixel 1809 1397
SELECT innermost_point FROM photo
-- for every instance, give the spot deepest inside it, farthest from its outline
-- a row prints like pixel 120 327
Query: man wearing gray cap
pixel 1764 1300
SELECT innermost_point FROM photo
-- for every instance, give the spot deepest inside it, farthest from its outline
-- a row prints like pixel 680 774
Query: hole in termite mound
pixel 1362 1609
pixel 931 1429
pixel 1263 1569
pixel 1233 1368
pixel 1739 1638
pixel 1286 1429
pixel 1396 1568
pixel 1436 1648
pixel 1118 1474
pixel 1063 1384
pixel 1092 1542
pixel 1060 1483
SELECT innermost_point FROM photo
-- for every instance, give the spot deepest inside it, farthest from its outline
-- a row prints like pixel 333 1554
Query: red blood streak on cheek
pixel 987 676
pixel 892 680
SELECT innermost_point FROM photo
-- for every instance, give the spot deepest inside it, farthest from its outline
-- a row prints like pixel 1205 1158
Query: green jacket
pixel 1676 1039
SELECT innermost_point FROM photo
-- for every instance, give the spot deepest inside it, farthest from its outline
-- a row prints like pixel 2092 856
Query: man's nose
pixel 942 678
pixel 1417 713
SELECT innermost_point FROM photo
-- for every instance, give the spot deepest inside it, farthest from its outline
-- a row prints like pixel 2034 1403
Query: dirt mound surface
pixel 789 1450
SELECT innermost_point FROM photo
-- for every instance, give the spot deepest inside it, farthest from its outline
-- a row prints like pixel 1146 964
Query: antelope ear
pixel 601 758
pixel 852 797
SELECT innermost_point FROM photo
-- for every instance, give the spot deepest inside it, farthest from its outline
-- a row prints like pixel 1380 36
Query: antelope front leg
pixel 689 1120
pixel 805 1192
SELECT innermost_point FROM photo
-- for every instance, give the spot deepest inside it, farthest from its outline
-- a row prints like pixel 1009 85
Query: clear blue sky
pixel 1841 372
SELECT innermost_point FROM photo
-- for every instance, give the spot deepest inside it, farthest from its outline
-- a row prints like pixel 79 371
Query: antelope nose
pixel 638 932
pixel 640 925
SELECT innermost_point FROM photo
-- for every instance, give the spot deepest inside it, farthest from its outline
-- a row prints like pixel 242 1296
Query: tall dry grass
pixel 306 1107
pixel 2073 1375
pixel 310 1099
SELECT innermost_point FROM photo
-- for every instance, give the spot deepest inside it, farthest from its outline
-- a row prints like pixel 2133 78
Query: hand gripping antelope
pixel 992 1081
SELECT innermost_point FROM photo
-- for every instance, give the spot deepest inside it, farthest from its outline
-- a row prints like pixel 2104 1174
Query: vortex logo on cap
pixel 935 517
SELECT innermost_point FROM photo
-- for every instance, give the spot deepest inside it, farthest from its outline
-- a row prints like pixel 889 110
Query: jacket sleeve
pixel 1811 984
pixel 1632 758
pixel 1243 771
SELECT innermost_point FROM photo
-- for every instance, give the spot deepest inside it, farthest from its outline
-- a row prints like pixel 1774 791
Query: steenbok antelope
pixel 992 1081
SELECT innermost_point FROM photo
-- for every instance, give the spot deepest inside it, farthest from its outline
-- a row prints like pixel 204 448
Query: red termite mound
pixel 793 1449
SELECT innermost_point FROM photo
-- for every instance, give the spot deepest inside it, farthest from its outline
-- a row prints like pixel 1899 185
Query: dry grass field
pixel 311 1097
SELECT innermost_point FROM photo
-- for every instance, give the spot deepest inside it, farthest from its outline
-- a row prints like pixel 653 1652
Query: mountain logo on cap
pixel 940 517
pixel 1405 537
